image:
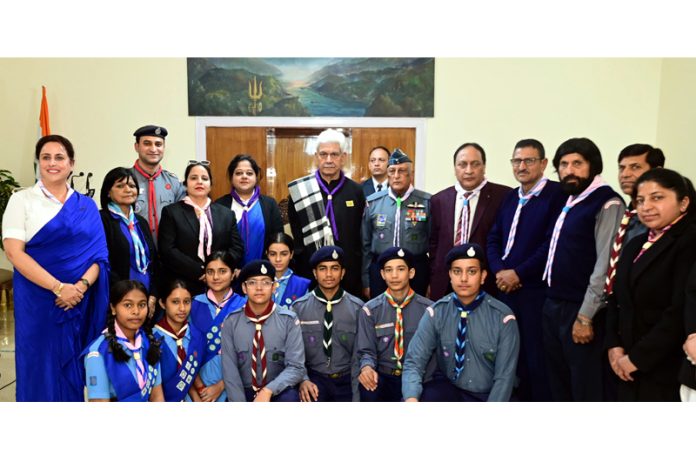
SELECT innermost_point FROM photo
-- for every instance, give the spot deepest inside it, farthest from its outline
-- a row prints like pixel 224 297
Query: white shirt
pixel 385 184
pixel 473 202
pixel 28 211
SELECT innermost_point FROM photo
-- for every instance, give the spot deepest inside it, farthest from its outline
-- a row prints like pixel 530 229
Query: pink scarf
pixel 205 228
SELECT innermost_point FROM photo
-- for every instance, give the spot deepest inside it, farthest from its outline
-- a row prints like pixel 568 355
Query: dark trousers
pixel 332 390
pixel 575 370
pixel 388 390
pixel 289 395
pixel 419 283
pixel 527 304
pixel 440 389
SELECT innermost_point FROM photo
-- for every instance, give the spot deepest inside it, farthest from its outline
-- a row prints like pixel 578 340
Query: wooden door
pixel 223 143
pixel 364 139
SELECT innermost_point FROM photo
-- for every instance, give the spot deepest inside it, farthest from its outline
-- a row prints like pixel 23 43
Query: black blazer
pixel 646 311
pixel 119 250
pixel 270 211
pixel 178 241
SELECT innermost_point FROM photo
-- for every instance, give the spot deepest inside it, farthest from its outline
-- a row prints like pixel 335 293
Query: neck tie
pixel 141 261
pixel 258 351
pixel 399 324
pixel 329 199
pixel 151 196
pixel 572 201
pixel 328 319
pixel 213 300
pixel 460 344
pixel 379 187
pixel 523 199
pixel 205 228
pixel 136 350
pixel 463 223
pixel 164 327
pixel 616 251
pixel 276 285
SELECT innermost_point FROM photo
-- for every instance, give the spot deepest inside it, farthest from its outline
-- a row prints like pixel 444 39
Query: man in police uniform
pixel 386 325
pixel 262 351
pixel 474 337
pixel 328 317
pixel 158 187
pixel 400 217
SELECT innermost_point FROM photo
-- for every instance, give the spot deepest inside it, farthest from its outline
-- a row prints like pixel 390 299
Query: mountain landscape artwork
pixel 307 87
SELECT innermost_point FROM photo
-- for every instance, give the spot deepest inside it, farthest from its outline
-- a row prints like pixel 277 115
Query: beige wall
pixel 98 103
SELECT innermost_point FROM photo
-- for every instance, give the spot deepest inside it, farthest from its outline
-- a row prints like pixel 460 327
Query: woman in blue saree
pixel 54 239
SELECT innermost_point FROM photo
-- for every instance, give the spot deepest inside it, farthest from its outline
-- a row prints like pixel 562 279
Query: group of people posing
pixel 553 290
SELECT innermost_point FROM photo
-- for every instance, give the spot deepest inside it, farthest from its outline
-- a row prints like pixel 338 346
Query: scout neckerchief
pixel 399 325
pixel 218 306
pixel 141 260
pixel 616 251
pixel 244 226
pixel 136 350
pixel 572 201
pixel 205 227
pixel 523 199
pixel 280 284
pixel 397 216
pixel 259 348
pixel 463 225
pixel 151 196
pixel 460 344
pixel 328 318
pixel 654 236
pixel 165 328
pixel 329 199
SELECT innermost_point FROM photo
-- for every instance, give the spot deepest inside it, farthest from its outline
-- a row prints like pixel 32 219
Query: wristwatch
pixel 85 282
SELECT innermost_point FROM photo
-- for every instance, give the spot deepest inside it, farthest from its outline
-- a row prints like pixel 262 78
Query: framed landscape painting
pixel 306 87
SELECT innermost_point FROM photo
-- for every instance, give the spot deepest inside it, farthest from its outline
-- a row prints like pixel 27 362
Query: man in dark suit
pixel 378 181
pixel 469 207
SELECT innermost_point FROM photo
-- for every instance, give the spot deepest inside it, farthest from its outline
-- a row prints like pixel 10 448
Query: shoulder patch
pixel 287 312
pixel 509 317
pixel 430 311
pixel 93 354
pixel 611 202
pixel 367 310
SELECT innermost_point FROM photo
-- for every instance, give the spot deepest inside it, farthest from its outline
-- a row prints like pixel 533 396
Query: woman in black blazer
pixel 132 251
pixel 258 216
pixel 193 228
pixel 645 317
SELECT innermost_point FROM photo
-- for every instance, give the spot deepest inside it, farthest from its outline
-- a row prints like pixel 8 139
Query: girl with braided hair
pixel 122 364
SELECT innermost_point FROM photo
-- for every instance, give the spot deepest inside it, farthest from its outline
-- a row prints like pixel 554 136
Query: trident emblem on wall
pixel 255 94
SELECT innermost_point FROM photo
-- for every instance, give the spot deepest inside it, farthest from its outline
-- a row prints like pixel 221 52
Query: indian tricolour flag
pixel 44 125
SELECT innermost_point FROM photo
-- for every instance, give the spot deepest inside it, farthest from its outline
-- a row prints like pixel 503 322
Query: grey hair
pixel 332 136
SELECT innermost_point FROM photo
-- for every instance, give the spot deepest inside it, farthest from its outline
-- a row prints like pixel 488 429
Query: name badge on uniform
pixel 349 203
pixel 380 220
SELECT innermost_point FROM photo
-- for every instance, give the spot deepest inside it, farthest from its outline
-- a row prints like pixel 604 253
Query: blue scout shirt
pixel 491 352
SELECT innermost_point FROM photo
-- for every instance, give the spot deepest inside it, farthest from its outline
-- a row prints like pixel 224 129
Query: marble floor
pixel 7 357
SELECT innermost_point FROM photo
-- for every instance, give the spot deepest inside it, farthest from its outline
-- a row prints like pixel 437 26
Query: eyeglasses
pixel 325 155
pixel 528 161
pixel 199 162
pixel 265 283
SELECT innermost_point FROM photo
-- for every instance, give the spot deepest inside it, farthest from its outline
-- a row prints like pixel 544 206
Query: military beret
pixel 394 253
pixel 257 268
pixel 466 251
pixel 151 130
pixel 328 253
pixel 398 157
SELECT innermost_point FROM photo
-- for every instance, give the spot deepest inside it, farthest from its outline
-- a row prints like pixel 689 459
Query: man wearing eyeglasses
pixel 462 213
pixel 158 187
pixel 325 208
pixel 517 247
pixel 396 217
pixel 262 352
